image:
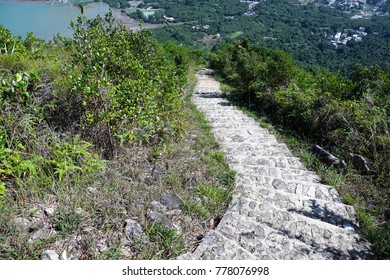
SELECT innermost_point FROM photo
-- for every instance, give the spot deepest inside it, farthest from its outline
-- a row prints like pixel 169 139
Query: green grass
pixel 196 208
pixel 213 197
pixel 67 221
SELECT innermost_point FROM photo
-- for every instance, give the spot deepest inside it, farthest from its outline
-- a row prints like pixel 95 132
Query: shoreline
pixel 118 14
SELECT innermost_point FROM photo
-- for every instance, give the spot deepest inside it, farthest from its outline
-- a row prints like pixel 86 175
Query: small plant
pixel 196 208
pixel 330 175
pixel 217 156
pixel 308 158
pixel 75 156
pixel 380 239
pixel 114 250
pixel 334 178
pixel 228 178
pixel 67 221
pixel 349 198
pixel 215 198
pixel 165 238
pixel 156 153
pixel 364 217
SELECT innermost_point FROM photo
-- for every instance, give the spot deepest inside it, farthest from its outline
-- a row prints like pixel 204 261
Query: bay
pixel 46 19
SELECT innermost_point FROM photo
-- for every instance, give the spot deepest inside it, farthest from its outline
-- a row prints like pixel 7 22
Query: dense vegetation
pixel 199 10
pixel 98 91
pixel 117 3
pixel 344 115
pixel 302 30
pixel 94 129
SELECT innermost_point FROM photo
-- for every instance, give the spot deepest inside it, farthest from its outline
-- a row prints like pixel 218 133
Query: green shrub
pixel 126 87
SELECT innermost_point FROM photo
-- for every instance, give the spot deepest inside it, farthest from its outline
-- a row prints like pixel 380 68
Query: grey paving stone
pixel 217 247
pixel 319 191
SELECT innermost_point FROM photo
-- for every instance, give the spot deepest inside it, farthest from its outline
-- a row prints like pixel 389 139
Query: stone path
pixel 279 209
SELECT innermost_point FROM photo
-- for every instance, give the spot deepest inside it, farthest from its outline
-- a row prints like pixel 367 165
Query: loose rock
pixel 160 219
pixel 157 170
pixel 325 156
pixel 73 249
pixel 49 255
pixel 49 211
pixel 39 235
pixel 135 231
pixel 189 182
pixel 103 247
pixel 22 223
pixel 171 202
pixel 92 189
pixel 361 163
pixel 64 256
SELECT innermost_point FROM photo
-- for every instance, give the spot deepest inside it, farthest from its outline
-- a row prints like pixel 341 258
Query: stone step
pixel 309 231
pixel 271 161
pixel 239 238
pixel 223 113
pixel 215 246
pixel 238 138
pixel 258 149
pixel 214 106
pixel 235 127
pixel 248 130
pixel 266 152
pixel 312 190
pixel 239 119
pixel 203 102
pixel 246 133
pixel 334 213
pixel 220 106
pixel 275 172
pixel 267 243
pixel 208 92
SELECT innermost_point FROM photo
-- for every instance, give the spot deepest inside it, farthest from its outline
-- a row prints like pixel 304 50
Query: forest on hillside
pixel 305 31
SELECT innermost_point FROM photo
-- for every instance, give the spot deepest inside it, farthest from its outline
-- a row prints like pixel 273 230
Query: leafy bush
pixel 62 102
pixel 9 44
pixel 125 87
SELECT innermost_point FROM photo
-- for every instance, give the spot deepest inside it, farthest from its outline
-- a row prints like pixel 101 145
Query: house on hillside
pixel 169 18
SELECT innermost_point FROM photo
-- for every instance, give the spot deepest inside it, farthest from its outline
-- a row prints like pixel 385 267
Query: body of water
pixel 46 19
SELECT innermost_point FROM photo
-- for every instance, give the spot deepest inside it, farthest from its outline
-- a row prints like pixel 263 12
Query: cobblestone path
pixel 279 210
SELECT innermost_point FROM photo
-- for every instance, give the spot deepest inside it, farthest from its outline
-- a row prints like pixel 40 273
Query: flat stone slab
pixel 334 213
pixel 305 189
pixel 272 161
pixel 276 172
pixel 215 246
